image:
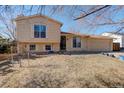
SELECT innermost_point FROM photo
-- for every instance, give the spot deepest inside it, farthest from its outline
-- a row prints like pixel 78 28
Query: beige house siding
pixel 99 45
pixel 69 44
pixel 86 45
pixel 91 44
pixel 25 30
pixel 40 47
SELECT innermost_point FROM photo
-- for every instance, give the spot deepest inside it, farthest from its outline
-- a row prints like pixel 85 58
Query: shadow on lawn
pixel 5 68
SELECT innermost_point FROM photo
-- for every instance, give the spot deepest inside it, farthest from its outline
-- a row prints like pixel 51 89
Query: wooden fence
pixel 116 46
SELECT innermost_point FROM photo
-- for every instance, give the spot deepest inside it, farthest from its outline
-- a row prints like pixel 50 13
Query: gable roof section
pixel 87 36
pixel 37 15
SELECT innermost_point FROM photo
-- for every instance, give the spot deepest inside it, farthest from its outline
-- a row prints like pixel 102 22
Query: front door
pixel 63 43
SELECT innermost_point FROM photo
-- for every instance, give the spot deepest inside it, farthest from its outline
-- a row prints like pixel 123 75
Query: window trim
pixel 40 35
pixel 50 46
pixel 30 47
pixel 76 42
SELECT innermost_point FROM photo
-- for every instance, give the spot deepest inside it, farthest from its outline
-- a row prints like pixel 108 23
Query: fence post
pixel 12 61
pixel 28 58
pixel 20 61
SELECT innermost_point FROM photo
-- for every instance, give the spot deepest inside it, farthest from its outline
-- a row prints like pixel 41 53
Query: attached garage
pixel 99 44
pixel 76 42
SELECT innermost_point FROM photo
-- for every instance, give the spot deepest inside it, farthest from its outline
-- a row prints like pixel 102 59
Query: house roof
pixel 88 36
pixel 115 32
pixel 66 33
pixel 21 17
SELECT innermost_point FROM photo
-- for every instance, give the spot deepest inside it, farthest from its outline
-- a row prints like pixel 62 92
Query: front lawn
pixel 93 70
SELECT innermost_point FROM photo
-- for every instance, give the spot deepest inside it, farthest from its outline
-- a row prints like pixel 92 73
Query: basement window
pixel 48 47
pixel 32 47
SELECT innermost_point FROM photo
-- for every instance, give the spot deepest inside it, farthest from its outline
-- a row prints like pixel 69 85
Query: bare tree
pixel 91 16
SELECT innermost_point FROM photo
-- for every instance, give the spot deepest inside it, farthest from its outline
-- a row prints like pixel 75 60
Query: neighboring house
pixel 39 33
pixel 117 37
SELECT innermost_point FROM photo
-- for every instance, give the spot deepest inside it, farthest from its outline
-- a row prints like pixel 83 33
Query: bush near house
pixel 5 45
pixel 4 48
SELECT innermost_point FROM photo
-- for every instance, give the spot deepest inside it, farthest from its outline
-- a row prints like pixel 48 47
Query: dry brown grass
pixel 67 71
pixel 3 56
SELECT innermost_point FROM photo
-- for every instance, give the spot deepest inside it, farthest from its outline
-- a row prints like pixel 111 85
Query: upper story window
pixel 39 31
pixel 76 42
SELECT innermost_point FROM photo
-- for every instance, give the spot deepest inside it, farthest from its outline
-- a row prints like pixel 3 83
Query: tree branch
pixel 113 23
pixel 92 12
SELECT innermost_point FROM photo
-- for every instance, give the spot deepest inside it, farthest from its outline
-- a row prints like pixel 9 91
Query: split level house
pixel 39 33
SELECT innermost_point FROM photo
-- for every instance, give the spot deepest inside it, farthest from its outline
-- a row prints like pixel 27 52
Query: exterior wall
pixel 25 30
pixel 69 44
pixel 99 45
pixel 90 44
pixel 117 38
pixel 40 47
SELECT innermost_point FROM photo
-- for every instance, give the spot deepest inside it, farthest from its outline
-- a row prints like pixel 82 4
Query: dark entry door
pixel 63 43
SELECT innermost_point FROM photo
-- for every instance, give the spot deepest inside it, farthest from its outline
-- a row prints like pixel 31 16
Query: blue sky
pixel 82 26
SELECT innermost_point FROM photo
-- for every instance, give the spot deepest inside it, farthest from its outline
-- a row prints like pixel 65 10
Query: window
pixel 48 47
pixel 76 42
pixel 39 31
pixel 32 47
